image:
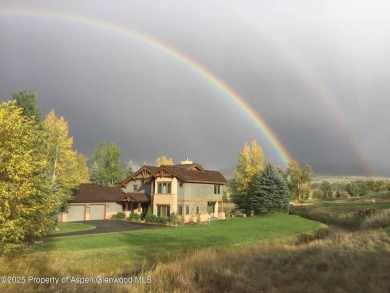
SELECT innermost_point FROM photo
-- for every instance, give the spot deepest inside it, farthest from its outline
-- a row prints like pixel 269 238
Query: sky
pixel 316 73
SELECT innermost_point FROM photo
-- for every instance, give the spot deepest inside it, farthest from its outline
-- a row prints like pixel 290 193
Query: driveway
pixel 105 226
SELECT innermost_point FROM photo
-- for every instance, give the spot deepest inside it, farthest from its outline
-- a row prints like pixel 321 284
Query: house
pixel 186 189
pixel 93 202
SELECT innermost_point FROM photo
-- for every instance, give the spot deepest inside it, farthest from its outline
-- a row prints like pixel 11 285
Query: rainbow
pixel 301 67
pixel 213 79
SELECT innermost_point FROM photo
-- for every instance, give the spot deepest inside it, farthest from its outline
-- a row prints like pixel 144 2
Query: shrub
pixel 364 213
pixel 119 216
pixel 198 219
pixel 181 220
pixel 173 219
pixel 377 220
pixel 134 217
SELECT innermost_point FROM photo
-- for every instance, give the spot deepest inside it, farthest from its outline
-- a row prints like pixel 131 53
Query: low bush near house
pixel 119 216
pixel 377 220
pixel 134 217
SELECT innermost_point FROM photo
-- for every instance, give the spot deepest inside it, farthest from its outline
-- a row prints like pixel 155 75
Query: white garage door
pixel 76 213
pixel 96 212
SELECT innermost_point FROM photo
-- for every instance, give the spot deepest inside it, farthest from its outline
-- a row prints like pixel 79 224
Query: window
pixel 217 189
pixel 187 210
pixel 163 211
pixel 135 187
pixel 197 210
pixel 164 188
pixel 180 210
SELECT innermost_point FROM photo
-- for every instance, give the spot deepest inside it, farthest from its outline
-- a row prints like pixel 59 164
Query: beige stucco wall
pixel 165 199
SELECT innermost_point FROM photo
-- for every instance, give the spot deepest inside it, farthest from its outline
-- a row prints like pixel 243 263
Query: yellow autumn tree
pixel 26 205
pixel 250 162
pixel 66 169
pixel 163 160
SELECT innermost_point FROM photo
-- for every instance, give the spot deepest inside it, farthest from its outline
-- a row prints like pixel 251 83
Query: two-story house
pixel 186 189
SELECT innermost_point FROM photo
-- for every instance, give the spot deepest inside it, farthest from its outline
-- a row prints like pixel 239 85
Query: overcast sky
pixel 317 72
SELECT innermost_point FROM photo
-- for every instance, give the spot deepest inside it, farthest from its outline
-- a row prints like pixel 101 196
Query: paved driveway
pixel 105 226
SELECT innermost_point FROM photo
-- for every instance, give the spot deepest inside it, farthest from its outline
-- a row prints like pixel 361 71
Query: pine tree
pixel 270 191
pixel 94 173
pixel 27 101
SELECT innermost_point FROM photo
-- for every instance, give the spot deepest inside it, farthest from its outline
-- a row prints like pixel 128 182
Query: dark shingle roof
pixel 89 192
pixel 204 176
pixel 136 196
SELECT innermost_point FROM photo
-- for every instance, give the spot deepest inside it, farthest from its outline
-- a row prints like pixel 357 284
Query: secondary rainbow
pixel 177 55
pixel 297 62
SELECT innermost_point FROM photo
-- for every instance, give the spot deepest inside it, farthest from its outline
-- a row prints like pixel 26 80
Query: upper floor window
pixel 135 187
pixel 164 188
pixel 217 189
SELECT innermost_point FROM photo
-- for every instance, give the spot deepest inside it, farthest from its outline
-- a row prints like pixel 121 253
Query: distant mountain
pixel 331 169
pixel 228 173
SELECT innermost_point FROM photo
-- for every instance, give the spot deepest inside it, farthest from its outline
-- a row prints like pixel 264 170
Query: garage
pixel 76 213
pixel 93 202
pixel 97 211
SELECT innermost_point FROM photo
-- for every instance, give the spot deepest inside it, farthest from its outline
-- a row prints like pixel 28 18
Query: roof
pixel 135 196
pixel 191 173
pixel 142 173
pixel 91 193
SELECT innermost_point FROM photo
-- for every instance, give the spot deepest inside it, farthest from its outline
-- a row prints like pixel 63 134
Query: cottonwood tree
pixel 26 204
pixel 163 160
pixel 270 192
pixel 66 169
pixel 299 179
pixel 250 162
pixel 129 169
pixel 107 159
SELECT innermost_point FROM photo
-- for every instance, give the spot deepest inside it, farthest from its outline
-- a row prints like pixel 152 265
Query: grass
pixel 346 213
pixel 358 262
pixel 71 227
pixel 132 252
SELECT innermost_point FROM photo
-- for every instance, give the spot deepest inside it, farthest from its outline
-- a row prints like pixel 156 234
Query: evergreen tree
pixel 28 102
pixel 270 191
pixel 94 173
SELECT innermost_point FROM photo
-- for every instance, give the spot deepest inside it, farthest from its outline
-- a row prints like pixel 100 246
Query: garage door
pixel 76 213
pixel 96 212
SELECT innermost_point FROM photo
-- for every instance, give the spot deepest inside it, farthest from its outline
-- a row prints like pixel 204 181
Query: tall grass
pixel 377 220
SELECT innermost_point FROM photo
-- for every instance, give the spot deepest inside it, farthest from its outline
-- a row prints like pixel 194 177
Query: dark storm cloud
pixel 116 88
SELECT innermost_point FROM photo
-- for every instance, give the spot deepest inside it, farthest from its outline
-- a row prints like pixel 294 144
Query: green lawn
pixel 71 227
pixel 110 252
